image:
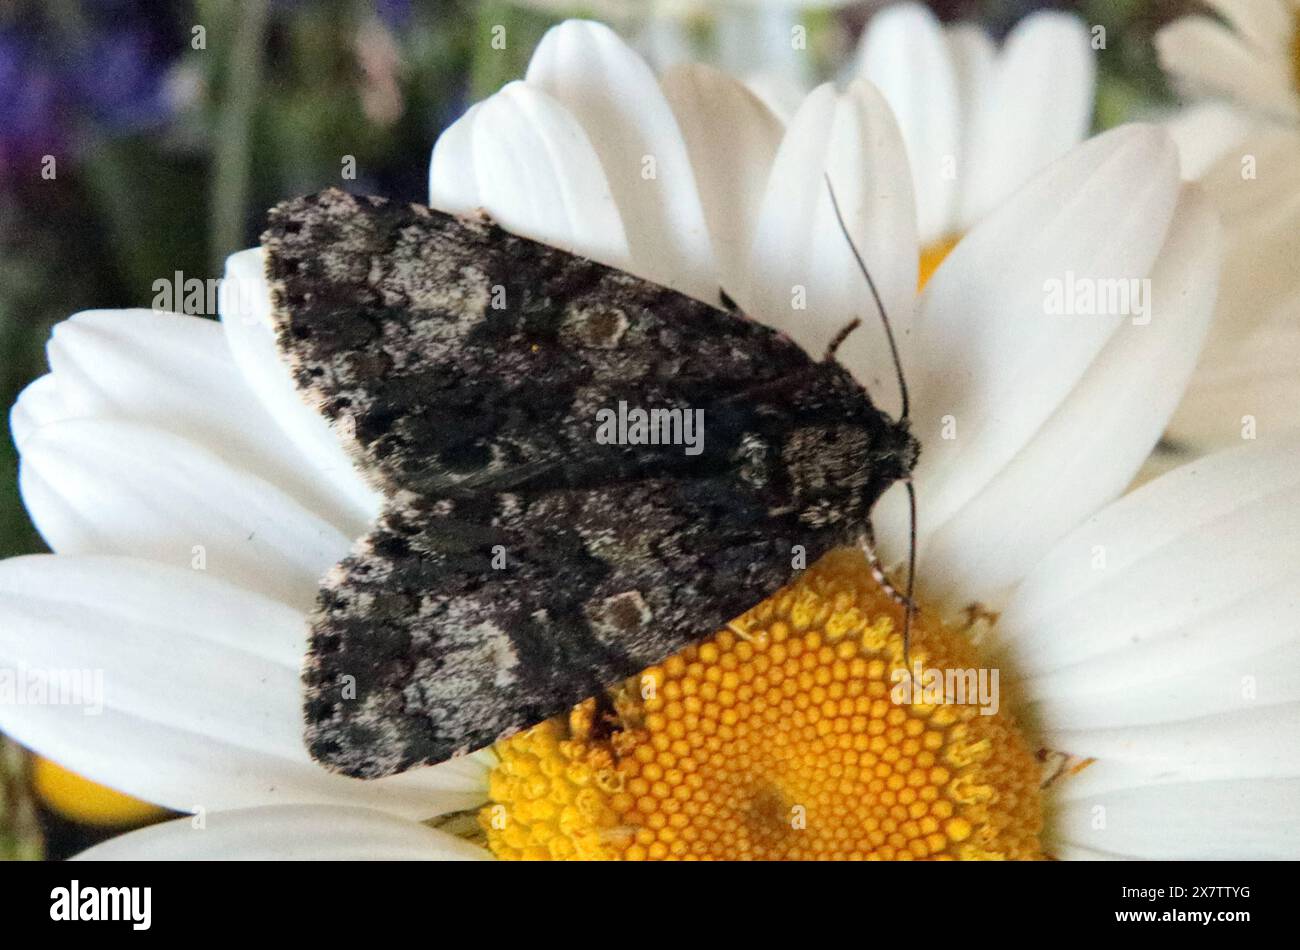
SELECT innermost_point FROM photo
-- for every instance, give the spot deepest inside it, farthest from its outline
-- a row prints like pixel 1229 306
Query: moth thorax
pixel 827 464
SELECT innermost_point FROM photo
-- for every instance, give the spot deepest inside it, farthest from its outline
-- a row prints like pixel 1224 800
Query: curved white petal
pixel 1268 24
pixel 1205 132
pixel 453 179
pixel 802 276
pixel 1223 820
pixel 287 833
pixel 1251 390
pixel 1038 106
pixel 1205 56
pixel 40 403
pixel 781 94
pixel 1092 445
pixel 974 62
pixel 732 138
pixel 173 373
pixel 524 159
pixel 245 304
pixel 1257 743
pixel 1181 595
pixel 905 53
pixel 1256 188
pixel 617 100
pixel 999 362
pixel 102 486
pixel 201 704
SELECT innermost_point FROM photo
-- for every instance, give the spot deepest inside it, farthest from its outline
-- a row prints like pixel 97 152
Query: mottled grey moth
pixel 520 564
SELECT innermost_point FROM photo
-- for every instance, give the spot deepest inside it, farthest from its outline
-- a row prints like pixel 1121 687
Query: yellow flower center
pixel 787 735
pixel 932 257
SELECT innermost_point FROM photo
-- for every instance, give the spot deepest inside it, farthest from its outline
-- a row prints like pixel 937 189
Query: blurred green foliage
pixel 20 833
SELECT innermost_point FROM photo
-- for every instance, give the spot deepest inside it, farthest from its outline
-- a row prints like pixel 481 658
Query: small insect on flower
pixel 520 564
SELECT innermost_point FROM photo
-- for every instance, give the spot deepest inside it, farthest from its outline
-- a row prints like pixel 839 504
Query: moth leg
pixel 868 545
pixel 840 337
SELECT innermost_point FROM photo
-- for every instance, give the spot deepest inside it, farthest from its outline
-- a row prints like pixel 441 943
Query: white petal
pixel 616 98
pixel 732 140
pixel 1261 214
pixel 998 363
pixel 1205 133
pixel 1252 388
pixel 905 53
pixel 1038 106
pixel 288 833
pixel 175 373
pixel 1228 820
pixel 974 60
pixel 781 94
pixel 453 179
pixel 200 690
pixel 1206 56
pixel 534 170
pixel 1190 582
pixel 40 403
pixel 1258 743
pixel 245 304
pixel 1089 449
pixel 100 486
pixel 1266 23
pixel 800 255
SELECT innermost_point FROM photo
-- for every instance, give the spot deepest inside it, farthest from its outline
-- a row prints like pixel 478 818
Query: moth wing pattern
pixel 463 368
pixel 450 652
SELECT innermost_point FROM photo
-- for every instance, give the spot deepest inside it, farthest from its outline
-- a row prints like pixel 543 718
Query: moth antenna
pixel 875 294
pixel 909 604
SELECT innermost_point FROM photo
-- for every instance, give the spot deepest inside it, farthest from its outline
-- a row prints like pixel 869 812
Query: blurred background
pixel 139 138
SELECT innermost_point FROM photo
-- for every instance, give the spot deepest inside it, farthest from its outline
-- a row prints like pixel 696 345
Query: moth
pixel 519 564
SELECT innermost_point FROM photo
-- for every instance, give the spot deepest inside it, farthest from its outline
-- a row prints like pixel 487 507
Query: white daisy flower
pixel 978 120
pixel 1251 56
pixel 1248 382
pixel 1149 638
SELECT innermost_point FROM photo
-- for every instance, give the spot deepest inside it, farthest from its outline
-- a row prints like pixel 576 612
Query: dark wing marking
pixel 464 368
pixel 447 654
pixel 457 358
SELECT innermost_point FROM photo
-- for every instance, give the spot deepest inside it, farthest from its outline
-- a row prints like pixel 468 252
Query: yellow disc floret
pixel 791 734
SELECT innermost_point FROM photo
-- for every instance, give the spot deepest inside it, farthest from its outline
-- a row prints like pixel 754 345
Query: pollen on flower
pixel 779 737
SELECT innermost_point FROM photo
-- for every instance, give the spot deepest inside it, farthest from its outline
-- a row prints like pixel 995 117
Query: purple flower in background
pixel 29 94
pixel 118 78
pixel 107 77
pixel 394 13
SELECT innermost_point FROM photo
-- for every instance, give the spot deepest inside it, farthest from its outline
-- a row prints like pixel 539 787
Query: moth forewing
pixel 521 564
